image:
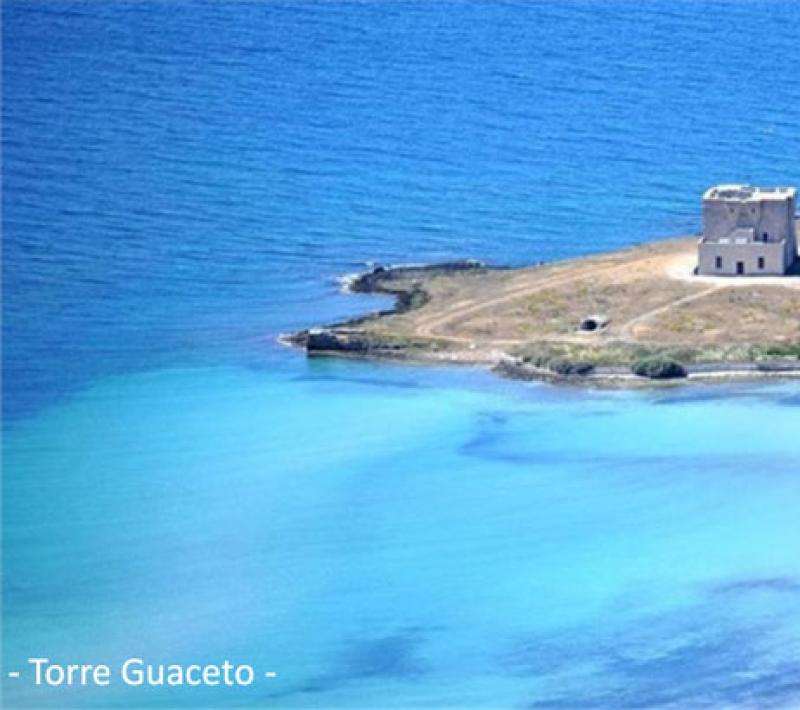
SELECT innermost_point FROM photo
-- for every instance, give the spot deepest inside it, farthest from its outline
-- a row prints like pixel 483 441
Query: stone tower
pixel 747 231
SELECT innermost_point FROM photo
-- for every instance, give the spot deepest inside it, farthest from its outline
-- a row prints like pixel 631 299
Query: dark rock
pixel 380 278
pixel 785 365
pixel 321 340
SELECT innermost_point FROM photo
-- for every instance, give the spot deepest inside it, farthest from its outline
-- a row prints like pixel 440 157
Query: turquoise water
pixel 394 536
pixel 184 181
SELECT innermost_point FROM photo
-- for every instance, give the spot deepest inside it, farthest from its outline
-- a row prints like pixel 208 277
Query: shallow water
pixel 182 182
pixel 393 536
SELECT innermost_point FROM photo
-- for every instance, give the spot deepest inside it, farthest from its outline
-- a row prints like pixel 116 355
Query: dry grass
pixel 522 310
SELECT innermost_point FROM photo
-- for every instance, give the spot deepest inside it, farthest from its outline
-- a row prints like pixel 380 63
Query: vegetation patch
pixel 564 367
pixel 657 368
pixel 777 350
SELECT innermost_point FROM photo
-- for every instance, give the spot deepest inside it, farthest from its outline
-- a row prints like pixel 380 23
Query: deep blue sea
pixel 183 181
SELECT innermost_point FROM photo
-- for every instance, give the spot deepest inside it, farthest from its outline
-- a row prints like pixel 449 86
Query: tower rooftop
pixel 748 193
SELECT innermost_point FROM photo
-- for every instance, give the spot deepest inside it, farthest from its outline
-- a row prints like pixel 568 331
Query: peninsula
pixel 633 316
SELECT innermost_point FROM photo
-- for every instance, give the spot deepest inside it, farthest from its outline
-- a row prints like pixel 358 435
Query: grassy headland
pixel 637 314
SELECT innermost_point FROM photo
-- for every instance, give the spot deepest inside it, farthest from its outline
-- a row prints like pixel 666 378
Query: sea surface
pixel 183 181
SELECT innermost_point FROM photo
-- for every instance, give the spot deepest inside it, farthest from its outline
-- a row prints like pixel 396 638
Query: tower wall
pixel 747 231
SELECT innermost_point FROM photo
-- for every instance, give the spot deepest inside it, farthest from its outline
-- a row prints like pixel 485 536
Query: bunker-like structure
pixel 747 231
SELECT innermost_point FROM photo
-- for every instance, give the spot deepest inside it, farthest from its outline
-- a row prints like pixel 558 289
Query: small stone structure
pixel 747 231
pixel 592 324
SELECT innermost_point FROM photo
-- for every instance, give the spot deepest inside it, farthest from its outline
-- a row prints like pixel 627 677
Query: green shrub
pixel 658 368
pixel 563 366
pixel 784 350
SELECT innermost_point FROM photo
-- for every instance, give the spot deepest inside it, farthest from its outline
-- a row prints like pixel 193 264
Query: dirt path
pixel 626 330
pixel 432 325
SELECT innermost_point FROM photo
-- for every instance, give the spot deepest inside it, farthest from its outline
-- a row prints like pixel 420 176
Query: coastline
pixel 428 323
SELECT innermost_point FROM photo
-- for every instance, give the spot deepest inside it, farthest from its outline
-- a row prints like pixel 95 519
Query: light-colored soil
pixel 649 294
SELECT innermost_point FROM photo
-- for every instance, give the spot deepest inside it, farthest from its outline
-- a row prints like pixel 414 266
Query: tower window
pixel 718 262
pixel 765 236
pixel 760 262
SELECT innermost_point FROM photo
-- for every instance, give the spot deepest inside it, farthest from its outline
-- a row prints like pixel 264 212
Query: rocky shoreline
pixel 622 375
pixel 401 282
